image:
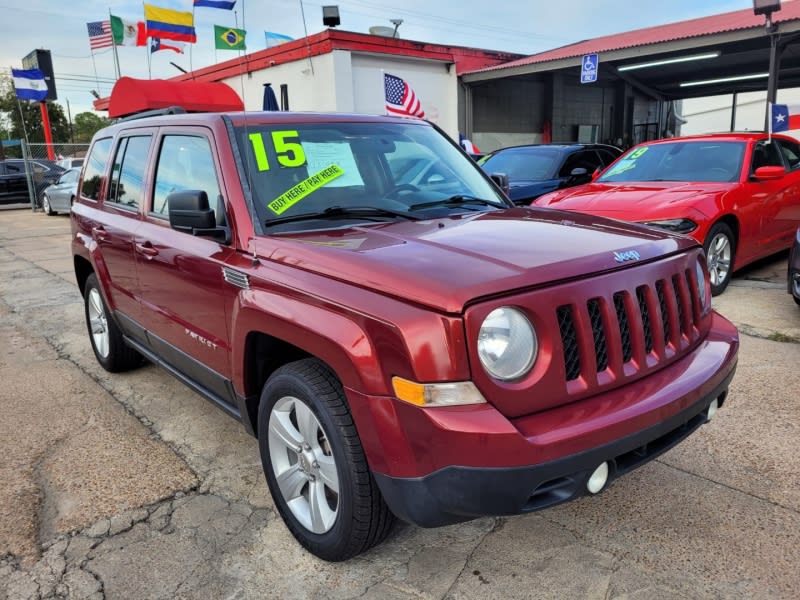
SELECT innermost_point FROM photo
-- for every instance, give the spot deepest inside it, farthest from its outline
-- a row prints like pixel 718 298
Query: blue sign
pixel 589 68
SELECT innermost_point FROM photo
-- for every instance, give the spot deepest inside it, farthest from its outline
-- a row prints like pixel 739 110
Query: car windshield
pixel 331 174
pixel 702 161
pixel 534 163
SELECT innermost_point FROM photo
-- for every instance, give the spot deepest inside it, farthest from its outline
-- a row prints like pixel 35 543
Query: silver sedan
pixel 59 196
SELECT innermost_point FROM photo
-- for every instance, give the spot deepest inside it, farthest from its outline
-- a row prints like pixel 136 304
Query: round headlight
pixel 701 282
pixel 507 344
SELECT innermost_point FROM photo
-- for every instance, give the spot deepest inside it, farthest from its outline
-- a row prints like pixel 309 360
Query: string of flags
pixel 170 29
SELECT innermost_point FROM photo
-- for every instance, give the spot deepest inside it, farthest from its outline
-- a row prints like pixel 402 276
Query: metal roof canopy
pixel 740 37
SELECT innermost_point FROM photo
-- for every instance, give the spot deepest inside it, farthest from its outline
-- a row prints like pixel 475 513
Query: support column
pixel 48 135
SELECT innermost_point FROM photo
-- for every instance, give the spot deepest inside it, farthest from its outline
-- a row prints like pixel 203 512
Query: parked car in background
pixel 59 196
pixel 540 168
pixel 794 269
pixel 14 180
pixel 69 163
pixel 735 193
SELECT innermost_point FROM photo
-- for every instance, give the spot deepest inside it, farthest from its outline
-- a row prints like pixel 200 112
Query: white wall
pixel 432 82
pixel 713 113
pixel 342 81
pixel 309 90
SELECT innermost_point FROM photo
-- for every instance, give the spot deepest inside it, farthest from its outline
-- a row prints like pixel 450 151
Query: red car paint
pixel 765 213
pixel 407 298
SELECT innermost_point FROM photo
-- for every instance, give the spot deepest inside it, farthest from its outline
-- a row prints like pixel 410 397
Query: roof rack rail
pixel 170 110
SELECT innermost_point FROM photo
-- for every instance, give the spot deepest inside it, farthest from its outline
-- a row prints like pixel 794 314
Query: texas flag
pixel 784 117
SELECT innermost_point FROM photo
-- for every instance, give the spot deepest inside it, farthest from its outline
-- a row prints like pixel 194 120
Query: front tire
pixel 720 247
pixel 109 347
pixel 48 210
pixel 315 466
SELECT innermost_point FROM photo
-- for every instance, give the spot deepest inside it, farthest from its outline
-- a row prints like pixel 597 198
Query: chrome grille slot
pixel 624 326
pixel 645 312
pixel 598 333
pixel 662 302
pixel 569 341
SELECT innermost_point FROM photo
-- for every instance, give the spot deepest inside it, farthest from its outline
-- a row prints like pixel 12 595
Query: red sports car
pixel 738 194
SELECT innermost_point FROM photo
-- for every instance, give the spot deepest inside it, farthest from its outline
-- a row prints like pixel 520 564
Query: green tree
pixel 86 125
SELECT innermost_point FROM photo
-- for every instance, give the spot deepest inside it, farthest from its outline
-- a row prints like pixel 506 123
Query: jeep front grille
pixel 620 331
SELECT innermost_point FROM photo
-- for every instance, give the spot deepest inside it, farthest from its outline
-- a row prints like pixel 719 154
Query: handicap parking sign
pixel 589 68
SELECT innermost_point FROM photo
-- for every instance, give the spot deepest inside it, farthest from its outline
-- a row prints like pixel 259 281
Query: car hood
pixel 447 263
pixel 632 199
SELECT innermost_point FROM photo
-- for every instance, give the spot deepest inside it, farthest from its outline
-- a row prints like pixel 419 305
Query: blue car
pixel 540 168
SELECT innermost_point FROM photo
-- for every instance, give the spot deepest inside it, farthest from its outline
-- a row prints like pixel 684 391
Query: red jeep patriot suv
pixel 401 339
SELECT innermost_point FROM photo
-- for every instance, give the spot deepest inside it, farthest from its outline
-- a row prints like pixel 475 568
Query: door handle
pixel 146 248
pixel 99 232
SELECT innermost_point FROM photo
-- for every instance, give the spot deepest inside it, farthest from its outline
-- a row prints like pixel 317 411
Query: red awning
pixel 131 96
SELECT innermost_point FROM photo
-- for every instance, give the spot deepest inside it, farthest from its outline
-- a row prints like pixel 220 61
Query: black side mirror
pixel 579 174
pixel 189 212
pixel 501 179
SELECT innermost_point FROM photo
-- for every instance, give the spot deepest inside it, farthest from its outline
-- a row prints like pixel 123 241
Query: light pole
pixel 766 8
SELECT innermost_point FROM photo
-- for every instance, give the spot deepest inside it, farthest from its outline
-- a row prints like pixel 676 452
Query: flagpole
pixel 149 59
pixel 305 29
pixel 769 129
pixel 114 47
pixel 191 68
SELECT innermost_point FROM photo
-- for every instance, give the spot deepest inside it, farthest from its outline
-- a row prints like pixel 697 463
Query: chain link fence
pixel 34 167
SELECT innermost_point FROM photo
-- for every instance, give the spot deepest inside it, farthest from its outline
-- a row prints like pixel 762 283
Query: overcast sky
pixel 523 26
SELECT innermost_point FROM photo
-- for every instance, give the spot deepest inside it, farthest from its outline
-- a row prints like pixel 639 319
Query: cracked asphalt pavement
pixel 132 486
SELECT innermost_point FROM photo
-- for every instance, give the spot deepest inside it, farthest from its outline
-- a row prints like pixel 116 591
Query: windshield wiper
pixel 457 200
pixel 337 212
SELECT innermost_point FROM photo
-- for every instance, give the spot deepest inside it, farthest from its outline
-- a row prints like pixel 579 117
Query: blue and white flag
pixel 276 39
pixel 30 84
pixel 224 4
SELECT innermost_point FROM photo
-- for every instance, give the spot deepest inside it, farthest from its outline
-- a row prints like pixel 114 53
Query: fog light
pixel 598 479
pixel 712 409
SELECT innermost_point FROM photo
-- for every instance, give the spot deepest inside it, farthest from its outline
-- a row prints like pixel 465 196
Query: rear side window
pixel 586 159
pixel 13 168
pixel 127 177
pixel 791 152
pixel 95 168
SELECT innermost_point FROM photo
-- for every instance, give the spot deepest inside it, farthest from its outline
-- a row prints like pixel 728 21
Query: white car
pixel 59 196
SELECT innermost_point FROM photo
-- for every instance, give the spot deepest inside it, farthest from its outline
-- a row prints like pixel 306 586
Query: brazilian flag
pixel 228 38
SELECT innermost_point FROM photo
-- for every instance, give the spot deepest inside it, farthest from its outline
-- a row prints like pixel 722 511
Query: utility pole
pixel 69 120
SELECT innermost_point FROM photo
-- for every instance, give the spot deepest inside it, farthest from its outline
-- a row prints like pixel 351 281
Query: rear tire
pixel 326 495
pixel 720 247
pixel 109 347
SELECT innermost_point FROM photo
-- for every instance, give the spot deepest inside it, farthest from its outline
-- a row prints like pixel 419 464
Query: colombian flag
pixel 169 24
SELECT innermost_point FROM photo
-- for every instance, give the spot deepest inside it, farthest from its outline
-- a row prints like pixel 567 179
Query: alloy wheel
pixel 98 323
pixel 719 258
pixel 303 463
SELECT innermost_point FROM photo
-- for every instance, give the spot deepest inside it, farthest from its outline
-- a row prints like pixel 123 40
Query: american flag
pixel 99 34
pixel 400 98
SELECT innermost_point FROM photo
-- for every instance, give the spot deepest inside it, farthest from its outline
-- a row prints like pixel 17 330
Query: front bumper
pixel 457 493
pixel 441 466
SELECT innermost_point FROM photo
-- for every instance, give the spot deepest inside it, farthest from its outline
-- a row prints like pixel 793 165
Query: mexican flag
pixel 128 33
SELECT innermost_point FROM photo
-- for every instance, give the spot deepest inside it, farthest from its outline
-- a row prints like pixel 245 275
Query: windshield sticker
pixel 621 167
pixel 637 153
pixel 319 155
pixel 288 149
pixel 296 193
